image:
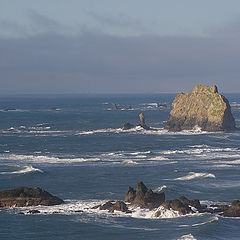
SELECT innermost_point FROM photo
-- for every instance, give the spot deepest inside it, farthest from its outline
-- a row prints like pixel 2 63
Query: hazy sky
pixel 118 46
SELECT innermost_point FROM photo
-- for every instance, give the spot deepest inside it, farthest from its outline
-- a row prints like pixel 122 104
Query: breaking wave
pixel 140 130
pixel 23 170
pixel 193 175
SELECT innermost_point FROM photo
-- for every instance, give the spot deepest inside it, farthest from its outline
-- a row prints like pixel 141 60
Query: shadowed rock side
pixel 23 196
pixel 203 107
pixel 142 122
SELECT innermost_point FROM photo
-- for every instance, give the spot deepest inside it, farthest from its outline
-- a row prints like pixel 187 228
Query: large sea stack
pixel 203 107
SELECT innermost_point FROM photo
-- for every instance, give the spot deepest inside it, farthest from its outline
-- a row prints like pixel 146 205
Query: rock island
pixel 203 107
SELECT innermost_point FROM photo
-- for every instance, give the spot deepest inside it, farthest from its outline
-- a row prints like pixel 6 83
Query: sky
pixel 113 46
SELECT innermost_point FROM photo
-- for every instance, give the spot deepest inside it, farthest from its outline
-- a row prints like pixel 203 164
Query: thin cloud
pixel 122 21
pixel 97 62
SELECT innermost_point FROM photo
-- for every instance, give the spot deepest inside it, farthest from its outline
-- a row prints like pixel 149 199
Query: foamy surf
pixel 194 175
pixel 88 207
pixel 46 159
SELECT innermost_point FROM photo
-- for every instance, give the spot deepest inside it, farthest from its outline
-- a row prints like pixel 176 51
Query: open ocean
pixel 79 153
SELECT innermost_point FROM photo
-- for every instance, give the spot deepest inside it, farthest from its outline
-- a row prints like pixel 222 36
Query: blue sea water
pixel 73 147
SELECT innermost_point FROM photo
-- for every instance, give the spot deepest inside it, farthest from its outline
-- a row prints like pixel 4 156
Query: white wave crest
pixel 44 159
pixel 194 175
pixel 187 237
pixel 25 169
pixel 130 162
pixel 106 130
pixel 158 158
pixel 159 189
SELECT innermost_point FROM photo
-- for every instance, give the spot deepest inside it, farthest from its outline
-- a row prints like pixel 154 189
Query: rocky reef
pixel 147 199
pixel 203 107
pixel 23 196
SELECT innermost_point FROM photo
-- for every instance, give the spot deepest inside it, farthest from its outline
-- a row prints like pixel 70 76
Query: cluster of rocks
pixel 142 124
pixel 141 197
pixel 203 107
pixel 146 198
pixel 23 197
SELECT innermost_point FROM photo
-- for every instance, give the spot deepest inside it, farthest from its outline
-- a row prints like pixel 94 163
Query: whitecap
pixel 23 170
pixel 130 162
pixel 194 175
pixel 158 158
pixel 137 153
pixel 212 219
pixel 187 237
pixel 45 159
pixel 106 130
pixel 160 188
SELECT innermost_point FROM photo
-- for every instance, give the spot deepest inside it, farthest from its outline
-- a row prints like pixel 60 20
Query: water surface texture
pixel 74 147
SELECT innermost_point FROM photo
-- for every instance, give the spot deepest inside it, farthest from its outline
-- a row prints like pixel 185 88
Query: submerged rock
pixel 23 196
pixel 144 197
pixel 203 107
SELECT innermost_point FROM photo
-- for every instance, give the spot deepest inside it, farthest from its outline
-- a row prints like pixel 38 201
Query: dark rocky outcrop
pixel 203 107
pixel 144 197
pixel 23 196
pixel 127 126
pixel 194 203
pixel 33 211
pixel 111 207
pixel 177 205
pixel 233 210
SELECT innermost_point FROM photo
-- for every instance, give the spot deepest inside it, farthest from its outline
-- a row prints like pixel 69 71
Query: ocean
pixel 74 148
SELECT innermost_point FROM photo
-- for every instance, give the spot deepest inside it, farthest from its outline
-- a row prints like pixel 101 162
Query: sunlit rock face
pixel 203 107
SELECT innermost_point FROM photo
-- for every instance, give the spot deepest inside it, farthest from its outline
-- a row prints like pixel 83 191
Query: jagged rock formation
pixel 144 197
pixel 23 196
pixel 203 107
